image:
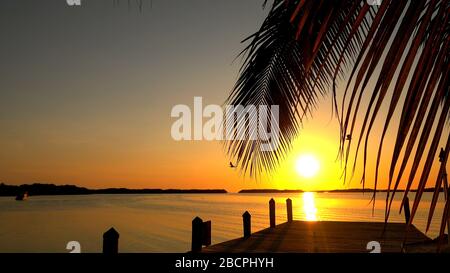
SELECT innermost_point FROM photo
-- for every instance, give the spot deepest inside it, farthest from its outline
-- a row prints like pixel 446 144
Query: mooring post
pixel 446 188
pixel 197 231
pixel 289 209
pixel 448 215
pixel 246 219
pixel 111 241
pixel 407 211
pixel 206 233
pixel 272 212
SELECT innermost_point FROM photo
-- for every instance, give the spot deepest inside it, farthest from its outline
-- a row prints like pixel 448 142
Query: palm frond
pixel 304 47
pixel 422 35
pixel 285 65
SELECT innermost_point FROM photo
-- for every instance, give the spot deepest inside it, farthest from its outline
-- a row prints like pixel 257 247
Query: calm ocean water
pixel 162 223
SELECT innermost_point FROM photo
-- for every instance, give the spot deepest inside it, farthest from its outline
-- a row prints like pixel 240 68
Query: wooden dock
pixel 323 237
pixel 309 237
pixel 316 236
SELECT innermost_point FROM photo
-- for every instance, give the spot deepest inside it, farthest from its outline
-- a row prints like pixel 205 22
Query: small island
pixel 329 191
pixel 51 189
pixel 269 191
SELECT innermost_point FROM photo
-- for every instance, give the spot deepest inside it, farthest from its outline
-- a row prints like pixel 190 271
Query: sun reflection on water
pixel 309 206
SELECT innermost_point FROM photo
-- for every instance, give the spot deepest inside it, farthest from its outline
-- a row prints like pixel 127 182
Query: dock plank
pixel 322 237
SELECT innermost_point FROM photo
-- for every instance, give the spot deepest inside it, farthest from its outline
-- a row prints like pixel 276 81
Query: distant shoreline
pixel 269 191
pixel 51 189
pixel 37 189
pixel 327 191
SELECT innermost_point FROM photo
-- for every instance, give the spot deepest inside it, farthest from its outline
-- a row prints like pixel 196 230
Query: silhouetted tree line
pixel 41 189
pixel 51 189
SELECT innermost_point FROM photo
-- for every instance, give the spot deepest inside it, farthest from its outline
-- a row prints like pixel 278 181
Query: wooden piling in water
pixel 289 209
pixel 407 210
pixel 206 233
pixel 272 213
pixel 246 219
pixel 201 234
pixel 448 215
pixel 197 228
pixel 111 242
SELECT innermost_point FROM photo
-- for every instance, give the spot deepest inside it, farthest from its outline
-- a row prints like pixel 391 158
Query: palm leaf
pixel 305 47
pixel 285 65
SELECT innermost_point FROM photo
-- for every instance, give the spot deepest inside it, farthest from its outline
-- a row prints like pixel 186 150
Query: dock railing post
pixel 448 217
pixel 247 222
pixel 111 241
pixel 407 210
pixel 197 231
pixel 289 209
pixel 201 234
pixel 272 212
pixel 206 233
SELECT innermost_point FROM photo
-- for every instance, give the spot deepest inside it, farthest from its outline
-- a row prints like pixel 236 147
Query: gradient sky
pixel 86 94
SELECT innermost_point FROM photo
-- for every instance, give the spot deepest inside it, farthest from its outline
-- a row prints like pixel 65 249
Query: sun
pixel 307 166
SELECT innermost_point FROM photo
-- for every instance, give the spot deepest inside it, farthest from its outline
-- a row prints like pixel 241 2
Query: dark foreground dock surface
pixel 324 237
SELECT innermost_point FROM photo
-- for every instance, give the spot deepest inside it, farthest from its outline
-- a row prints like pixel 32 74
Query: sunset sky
pixel 86 95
